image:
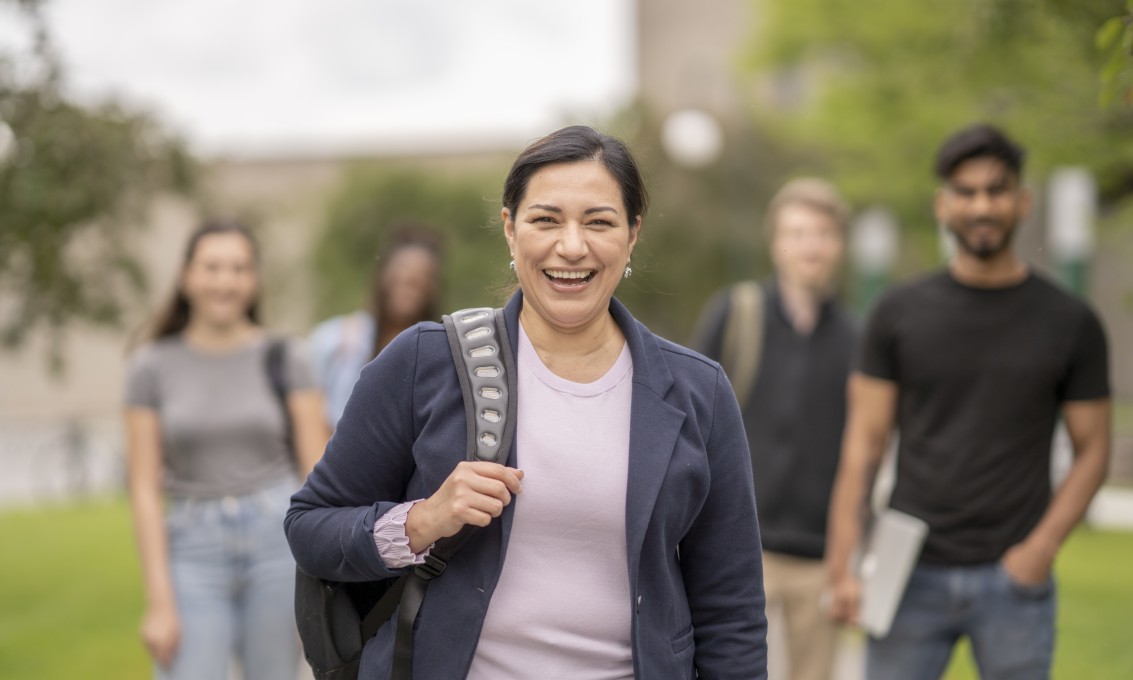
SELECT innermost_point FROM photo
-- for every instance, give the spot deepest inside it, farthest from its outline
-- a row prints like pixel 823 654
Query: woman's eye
pixel 602 223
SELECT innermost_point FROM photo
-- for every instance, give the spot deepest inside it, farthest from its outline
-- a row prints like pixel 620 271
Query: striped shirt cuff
pixel 390 538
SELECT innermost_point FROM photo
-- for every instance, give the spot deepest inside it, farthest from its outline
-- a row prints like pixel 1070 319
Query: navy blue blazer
pixel 695 567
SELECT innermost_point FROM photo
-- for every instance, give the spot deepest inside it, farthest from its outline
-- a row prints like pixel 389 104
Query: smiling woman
pixel 626 544
pixel 207 432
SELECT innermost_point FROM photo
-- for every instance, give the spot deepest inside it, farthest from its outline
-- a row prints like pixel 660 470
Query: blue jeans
pixel 234 579
pixel 1010 626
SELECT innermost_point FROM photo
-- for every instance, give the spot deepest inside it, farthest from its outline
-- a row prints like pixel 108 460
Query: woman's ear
pixel 509 228
pixel 634 232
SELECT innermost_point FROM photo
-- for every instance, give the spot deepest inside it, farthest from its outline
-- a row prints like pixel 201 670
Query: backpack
pixel 336 619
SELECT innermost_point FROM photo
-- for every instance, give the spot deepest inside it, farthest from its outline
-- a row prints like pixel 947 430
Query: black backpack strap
pixel 274 361
pixel 485 367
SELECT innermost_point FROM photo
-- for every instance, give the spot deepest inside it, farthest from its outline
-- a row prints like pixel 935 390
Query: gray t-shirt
pixel 222 428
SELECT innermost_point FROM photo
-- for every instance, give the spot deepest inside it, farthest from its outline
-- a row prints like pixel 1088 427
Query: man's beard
pixel 985 249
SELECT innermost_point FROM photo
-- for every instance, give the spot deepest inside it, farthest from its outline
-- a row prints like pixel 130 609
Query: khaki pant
pixel 794 588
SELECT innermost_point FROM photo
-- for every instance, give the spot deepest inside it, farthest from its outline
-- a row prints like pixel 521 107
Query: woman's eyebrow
pixel 588 211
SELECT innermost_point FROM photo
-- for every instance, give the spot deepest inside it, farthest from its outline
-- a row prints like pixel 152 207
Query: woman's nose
pixel 572 242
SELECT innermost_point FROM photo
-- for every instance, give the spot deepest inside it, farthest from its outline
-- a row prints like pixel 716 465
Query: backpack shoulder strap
pixel 478 340
pixel 481 352
pixel 275 363
pixel 742 345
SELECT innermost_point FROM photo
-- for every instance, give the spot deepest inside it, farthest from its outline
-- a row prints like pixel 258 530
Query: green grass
pixel 1095 610
pixel 70 594
pixel 70 599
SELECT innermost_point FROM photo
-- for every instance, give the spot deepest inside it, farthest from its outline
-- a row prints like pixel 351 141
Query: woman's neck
pixel 220 338
pixel 580 355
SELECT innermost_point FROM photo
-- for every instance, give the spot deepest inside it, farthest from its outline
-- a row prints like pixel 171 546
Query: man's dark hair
pixel 978 141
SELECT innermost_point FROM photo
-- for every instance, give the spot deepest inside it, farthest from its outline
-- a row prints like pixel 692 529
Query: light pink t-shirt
pixel 562 607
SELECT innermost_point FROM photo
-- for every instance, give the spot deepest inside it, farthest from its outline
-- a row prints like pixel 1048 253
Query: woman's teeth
pixel 569 276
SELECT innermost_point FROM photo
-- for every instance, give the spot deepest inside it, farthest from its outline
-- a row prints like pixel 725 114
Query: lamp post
pixel 692 138
pixel 873 250
pixel 1070 226
pixel 7 143
pixel 1070 236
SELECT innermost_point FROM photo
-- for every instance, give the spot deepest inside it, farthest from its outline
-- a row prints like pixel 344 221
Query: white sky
pixel 279 76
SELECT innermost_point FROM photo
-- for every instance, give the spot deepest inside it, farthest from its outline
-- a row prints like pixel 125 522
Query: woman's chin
pixel 224 319
pixel 571 313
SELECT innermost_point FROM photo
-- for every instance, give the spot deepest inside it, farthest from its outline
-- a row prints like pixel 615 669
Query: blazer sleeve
pixel 721 558
pixel 363 473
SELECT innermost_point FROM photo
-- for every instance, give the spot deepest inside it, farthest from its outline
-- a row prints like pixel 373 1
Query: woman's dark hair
pixel 572 144
pixel 978 141
pixel 175 316
pixel 404 236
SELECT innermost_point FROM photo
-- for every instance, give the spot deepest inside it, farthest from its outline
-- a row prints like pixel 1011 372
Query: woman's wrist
pixel 418 528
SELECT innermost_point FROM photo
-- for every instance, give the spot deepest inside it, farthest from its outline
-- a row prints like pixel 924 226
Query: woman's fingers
pixel 474 493
pixel 499 484
pixel 161 633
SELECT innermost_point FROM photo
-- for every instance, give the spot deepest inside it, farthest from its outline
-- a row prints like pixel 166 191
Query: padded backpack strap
pixel 478 340
pixel 474 337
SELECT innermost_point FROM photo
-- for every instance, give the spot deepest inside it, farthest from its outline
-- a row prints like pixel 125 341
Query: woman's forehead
pixel 581 181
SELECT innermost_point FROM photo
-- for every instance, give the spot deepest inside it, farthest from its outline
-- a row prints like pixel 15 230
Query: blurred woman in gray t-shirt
pixel 208 429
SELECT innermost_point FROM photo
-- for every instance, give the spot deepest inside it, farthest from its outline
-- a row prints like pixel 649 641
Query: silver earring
pixel 511 265
pixel 628 271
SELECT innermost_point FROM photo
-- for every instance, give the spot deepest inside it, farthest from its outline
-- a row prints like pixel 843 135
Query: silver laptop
pixel 887 562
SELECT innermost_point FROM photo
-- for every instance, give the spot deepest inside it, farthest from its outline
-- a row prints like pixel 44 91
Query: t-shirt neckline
pixel 986 290
pixel 529 359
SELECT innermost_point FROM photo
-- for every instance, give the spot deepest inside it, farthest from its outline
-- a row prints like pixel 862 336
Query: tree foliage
pixel 74 184
pixel 875 87
pixel 1115 41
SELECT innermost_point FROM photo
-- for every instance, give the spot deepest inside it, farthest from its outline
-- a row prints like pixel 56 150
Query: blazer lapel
pixel 654 427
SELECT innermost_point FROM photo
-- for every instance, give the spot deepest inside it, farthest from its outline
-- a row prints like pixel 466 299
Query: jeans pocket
pixel 179 516
pixel 1027 591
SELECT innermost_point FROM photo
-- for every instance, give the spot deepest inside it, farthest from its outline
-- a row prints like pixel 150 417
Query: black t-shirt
pixel 981 374
pixel 794 417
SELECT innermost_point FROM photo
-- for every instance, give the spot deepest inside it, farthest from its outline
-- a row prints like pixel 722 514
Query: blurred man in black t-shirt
pixel 974 365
